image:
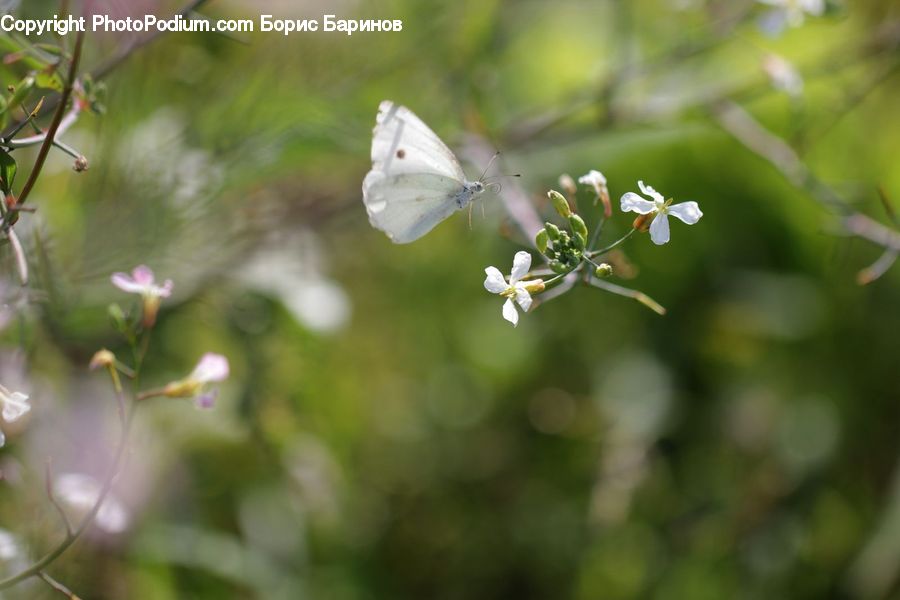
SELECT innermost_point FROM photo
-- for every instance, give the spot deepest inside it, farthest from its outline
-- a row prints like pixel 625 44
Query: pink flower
pixel 141 281
pixel 212 368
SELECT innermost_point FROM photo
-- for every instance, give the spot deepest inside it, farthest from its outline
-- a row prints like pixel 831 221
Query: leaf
pixel 49 81
pixel 7 172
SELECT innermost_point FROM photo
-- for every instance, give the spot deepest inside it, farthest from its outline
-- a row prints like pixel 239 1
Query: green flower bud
pixel 604 270
pixel 558 267
pixel 578 225
pixel 579 242
pixel 560 203
pixel 541 240
pixel 552 231
pixel 117 316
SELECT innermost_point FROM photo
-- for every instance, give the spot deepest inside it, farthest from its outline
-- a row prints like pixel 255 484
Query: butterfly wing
pixel 402 143
pixel 415 179
pixel 406 206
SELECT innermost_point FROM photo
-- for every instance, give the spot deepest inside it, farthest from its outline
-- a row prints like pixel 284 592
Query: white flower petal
pixel 510 313
pixel 14 406
pixel 659 229
pixel 494 282
pixel 687 212
pixel 649 191
pixel 521 264
pixel 523 298
pixel 593 178
pixel 631 202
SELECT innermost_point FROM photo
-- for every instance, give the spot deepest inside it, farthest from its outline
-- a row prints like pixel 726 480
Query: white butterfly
pixel 415 182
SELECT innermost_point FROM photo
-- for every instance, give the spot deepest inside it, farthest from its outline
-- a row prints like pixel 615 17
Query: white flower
pixel 516 291
pixel 688 212
pixel 789 12
pixel 15 404
pixel 10 546
pixel 783 75
pixel 81 492
pixel 596 180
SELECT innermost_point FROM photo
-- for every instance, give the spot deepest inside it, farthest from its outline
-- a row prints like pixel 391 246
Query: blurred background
pixel 384 433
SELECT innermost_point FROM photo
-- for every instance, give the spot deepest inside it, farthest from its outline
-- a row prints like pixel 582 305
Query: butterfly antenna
pixel 488 167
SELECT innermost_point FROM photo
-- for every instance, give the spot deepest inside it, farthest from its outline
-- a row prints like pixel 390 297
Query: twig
pixel 64 125
pixel 630 293
pixel 57 586
pixel 35 569
pixel 877 268
pixel 54 125
pixel 864 227
pixel 48 483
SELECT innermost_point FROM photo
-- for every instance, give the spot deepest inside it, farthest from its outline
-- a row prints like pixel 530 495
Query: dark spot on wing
pixel 401 153
pixel 420 199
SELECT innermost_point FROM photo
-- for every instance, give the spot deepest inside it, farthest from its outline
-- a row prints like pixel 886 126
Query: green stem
pixel 595 253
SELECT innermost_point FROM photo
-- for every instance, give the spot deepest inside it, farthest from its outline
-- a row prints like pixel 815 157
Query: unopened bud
pixel 534 287
pixel 642 222
pixel 557 267
pixel 541 240
pixel 559 203
pixel 603 270
pixel 102 358
pixel 579 242
pixel 117 316
pixel 552 231
pixel 578 225
pixel 81 164
pixel 568 184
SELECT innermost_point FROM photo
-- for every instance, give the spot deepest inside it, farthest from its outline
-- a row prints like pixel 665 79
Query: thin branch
pixel 864 227
pixel 630 293
pixel 878 268
pixel 57 586
pixel 35 569
pixel 64 125
pixel 48 483
pixel 54 125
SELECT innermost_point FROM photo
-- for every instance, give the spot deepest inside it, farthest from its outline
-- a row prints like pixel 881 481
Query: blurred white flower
pixel 516 289
pixel 292 269
pixel 80 493
pixel 688 212
pixel 10 547
pixel 789 12
pixel 782 74
pixel 15 404
pixel 212 368
pixel 596 180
